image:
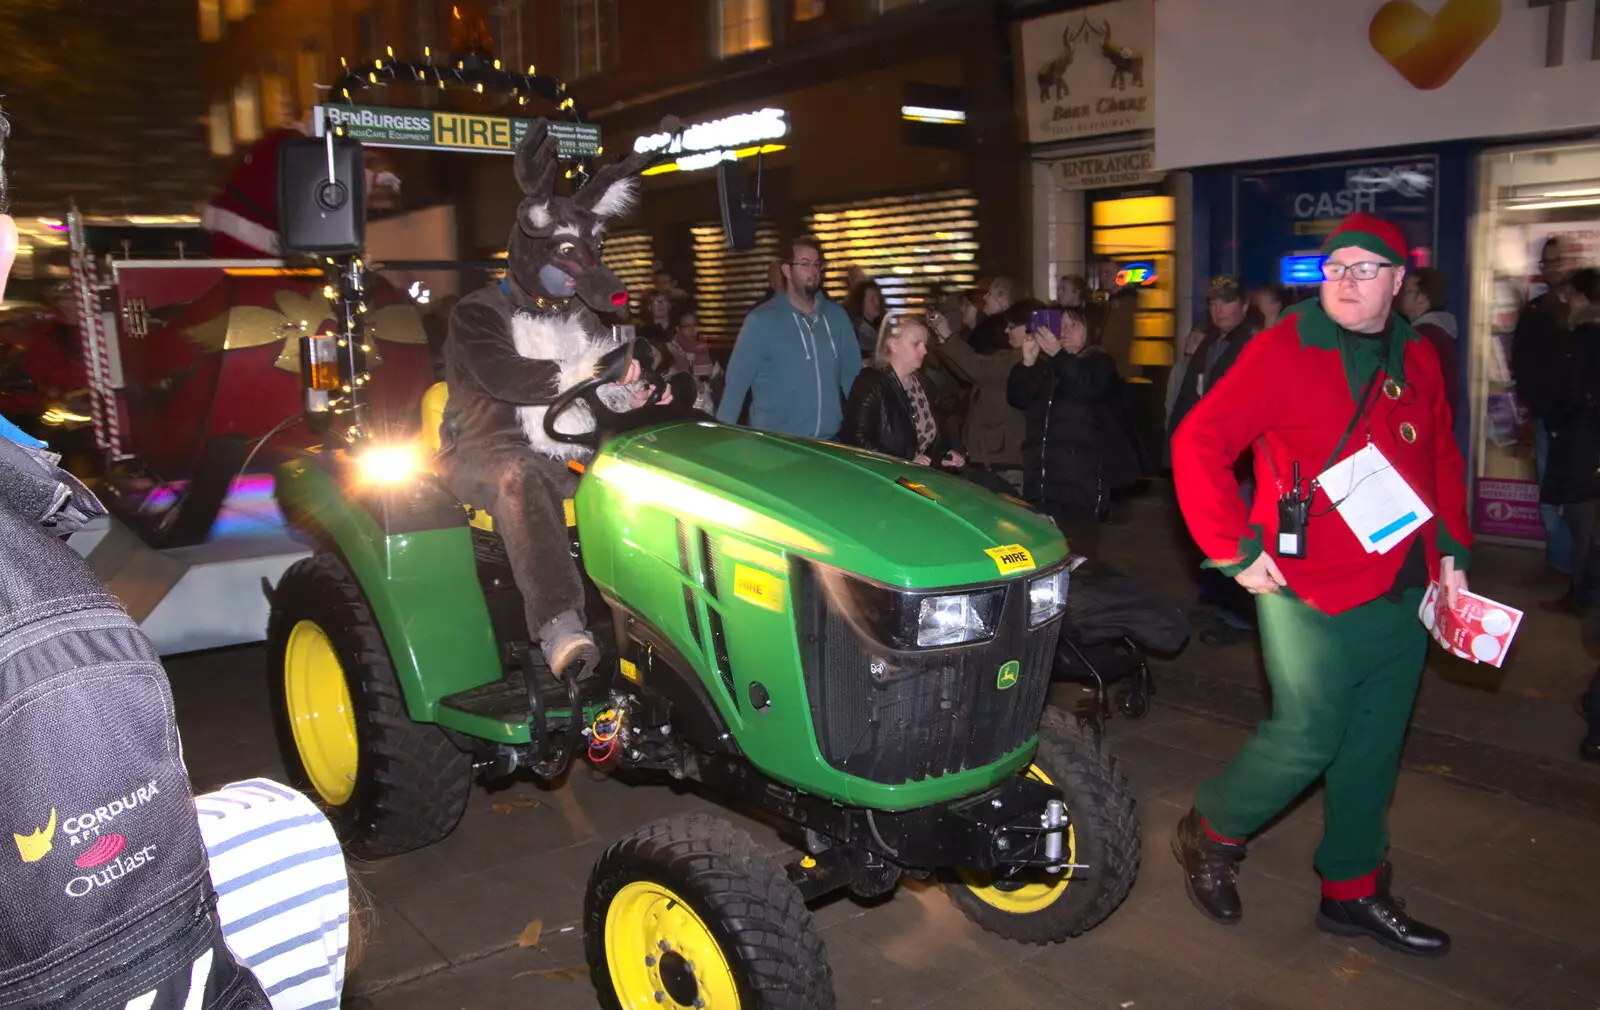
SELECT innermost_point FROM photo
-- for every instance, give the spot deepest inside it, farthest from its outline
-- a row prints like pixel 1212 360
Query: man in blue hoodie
pixel 796 354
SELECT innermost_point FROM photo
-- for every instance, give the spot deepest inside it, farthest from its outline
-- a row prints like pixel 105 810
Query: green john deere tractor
pixel 855 646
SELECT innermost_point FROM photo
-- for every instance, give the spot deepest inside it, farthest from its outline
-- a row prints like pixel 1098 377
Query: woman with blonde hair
pixel 890 411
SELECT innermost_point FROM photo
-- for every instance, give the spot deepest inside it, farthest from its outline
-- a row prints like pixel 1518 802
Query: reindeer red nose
pixel 619 299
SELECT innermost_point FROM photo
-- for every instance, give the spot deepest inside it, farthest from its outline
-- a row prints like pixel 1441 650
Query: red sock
pixel 1212 834
pixel 1350 890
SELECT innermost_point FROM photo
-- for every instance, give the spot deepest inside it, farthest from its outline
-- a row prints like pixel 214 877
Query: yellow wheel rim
pixel 661 954
pixel 1030 896
pixel 320 713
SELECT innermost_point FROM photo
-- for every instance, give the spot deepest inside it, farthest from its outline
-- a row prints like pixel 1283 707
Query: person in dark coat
pixel 1229 330
pixel 890 410
pixel 1070 393
pixel 1570 406
pixel 1537 349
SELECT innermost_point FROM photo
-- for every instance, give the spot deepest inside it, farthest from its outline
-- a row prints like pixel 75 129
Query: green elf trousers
pixel 1342 691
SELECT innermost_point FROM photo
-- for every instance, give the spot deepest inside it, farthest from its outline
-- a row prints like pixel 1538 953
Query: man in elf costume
pixel 1339 566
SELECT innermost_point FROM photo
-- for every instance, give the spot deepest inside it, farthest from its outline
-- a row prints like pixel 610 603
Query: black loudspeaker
pixel 317 214
pixel 738 224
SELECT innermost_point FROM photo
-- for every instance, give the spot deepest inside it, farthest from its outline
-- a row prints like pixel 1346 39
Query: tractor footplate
pixel 506 699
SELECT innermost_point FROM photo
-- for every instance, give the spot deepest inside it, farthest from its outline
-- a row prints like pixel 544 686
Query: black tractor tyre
pixel 412 783
pixel 744 899
pixel 1107 842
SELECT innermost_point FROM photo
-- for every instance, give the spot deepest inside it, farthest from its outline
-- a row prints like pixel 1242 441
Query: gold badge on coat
pixel 1408 432
pixel 1391 389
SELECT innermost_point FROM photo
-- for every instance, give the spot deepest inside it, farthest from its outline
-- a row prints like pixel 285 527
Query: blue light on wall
pixel 1300 270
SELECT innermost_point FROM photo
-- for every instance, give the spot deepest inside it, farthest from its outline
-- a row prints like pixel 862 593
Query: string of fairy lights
pixel 474 70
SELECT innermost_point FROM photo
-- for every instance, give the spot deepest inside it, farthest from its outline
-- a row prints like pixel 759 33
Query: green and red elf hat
pixel 1373 234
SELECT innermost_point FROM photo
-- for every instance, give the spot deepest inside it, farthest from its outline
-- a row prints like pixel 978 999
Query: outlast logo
pixel 118 868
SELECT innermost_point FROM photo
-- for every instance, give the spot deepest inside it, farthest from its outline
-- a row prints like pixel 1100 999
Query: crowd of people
pixel 1019 395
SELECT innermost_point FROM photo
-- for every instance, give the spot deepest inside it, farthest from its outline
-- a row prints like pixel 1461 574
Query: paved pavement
pixel 1505 861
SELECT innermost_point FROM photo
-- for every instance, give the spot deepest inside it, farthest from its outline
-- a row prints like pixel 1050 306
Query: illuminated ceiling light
pixel 924 114
pixel 1556 204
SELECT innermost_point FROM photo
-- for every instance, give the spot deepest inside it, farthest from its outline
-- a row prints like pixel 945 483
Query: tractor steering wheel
pixel 612 367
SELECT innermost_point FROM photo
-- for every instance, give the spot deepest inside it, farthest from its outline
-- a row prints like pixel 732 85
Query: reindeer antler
pixel 536 160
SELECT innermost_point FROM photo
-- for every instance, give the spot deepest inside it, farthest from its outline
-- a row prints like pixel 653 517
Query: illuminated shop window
pixel 1527 198
pixel 210 20
pixel 237 10
pixel 909 244
pixel 728 284
pixel 629 255
pixel 809 10
pixel 246 112
pixel 219 129
pixel 743 26
pixel 1137 233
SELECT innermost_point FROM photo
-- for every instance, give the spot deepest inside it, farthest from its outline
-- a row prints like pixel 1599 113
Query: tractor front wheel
pixel 389 784
pixel 1039 907
pixel 689 912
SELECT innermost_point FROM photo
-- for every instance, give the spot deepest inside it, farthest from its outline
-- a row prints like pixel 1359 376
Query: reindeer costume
pixel 512 348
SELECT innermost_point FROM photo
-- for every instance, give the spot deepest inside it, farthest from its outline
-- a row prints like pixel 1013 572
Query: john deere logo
pixel 1008 675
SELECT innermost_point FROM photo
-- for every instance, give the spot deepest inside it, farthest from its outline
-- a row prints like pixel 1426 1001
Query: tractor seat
pixel 433 404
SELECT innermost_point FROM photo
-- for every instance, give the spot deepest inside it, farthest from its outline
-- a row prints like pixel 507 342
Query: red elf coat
pixel 1290 395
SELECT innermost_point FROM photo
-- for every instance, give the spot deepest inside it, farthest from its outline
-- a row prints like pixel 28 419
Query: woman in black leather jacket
pixel 1072 454
pixel 890 411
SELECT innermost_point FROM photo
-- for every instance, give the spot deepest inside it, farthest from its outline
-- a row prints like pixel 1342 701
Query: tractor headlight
pixel 1047 596
pixel 957 619
pixel 389 464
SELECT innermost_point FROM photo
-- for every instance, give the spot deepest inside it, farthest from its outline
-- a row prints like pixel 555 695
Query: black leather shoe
pixel 1211 870
pixel 1384 918
pixel 1589 752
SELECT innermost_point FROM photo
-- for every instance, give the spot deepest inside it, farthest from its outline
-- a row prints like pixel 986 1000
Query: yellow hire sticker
pixel 1011 558
pixel 755 586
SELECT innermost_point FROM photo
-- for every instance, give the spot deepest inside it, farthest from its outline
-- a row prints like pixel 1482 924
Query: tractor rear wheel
pixel 689 912
pixel 389 784
pixel 1038 907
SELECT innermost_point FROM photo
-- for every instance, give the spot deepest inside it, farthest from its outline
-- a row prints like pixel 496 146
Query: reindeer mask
pixel 554 253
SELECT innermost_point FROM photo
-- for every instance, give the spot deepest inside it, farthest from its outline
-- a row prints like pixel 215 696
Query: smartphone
pixel 1048 318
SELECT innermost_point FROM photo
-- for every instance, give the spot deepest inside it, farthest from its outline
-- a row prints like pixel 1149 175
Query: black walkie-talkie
pixel 1294 511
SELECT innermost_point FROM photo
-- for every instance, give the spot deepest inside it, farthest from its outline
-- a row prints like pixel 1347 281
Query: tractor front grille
pixel 896 717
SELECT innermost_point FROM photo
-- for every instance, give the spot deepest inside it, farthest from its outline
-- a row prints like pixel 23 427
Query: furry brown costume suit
pixel 512 347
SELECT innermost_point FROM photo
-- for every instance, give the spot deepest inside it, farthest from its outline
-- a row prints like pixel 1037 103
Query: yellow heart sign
pixel 1428 50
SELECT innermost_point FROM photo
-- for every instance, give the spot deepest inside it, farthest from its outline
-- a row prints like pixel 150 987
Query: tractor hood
pixel 836 505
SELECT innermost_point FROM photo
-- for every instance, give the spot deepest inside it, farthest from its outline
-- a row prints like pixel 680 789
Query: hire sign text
pixel 451 131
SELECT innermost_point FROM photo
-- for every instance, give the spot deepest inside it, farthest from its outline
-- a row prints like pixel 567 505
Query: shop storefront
pixel 1086 106
pixel 1271 177
pixel 886 190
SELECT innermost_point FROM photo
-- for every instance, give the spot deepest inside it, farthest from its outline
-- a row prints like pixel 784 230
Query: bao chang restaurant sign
pixel 704 145
pixel 451 131
pixel 1088 71
pixel 1249 80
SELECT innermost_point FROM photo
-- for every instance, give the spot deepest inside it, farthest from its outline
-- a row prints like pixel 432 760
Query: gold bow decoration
pixel 296 315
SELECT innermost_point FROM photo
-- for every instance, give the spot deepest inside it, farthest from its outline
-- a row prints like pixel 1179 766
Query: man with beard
pixel 1338 563
pixel 796 356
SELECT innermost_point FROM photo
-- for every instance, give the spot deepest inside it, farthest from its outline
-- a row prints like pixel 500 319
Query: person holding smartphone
pixel 1068 390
